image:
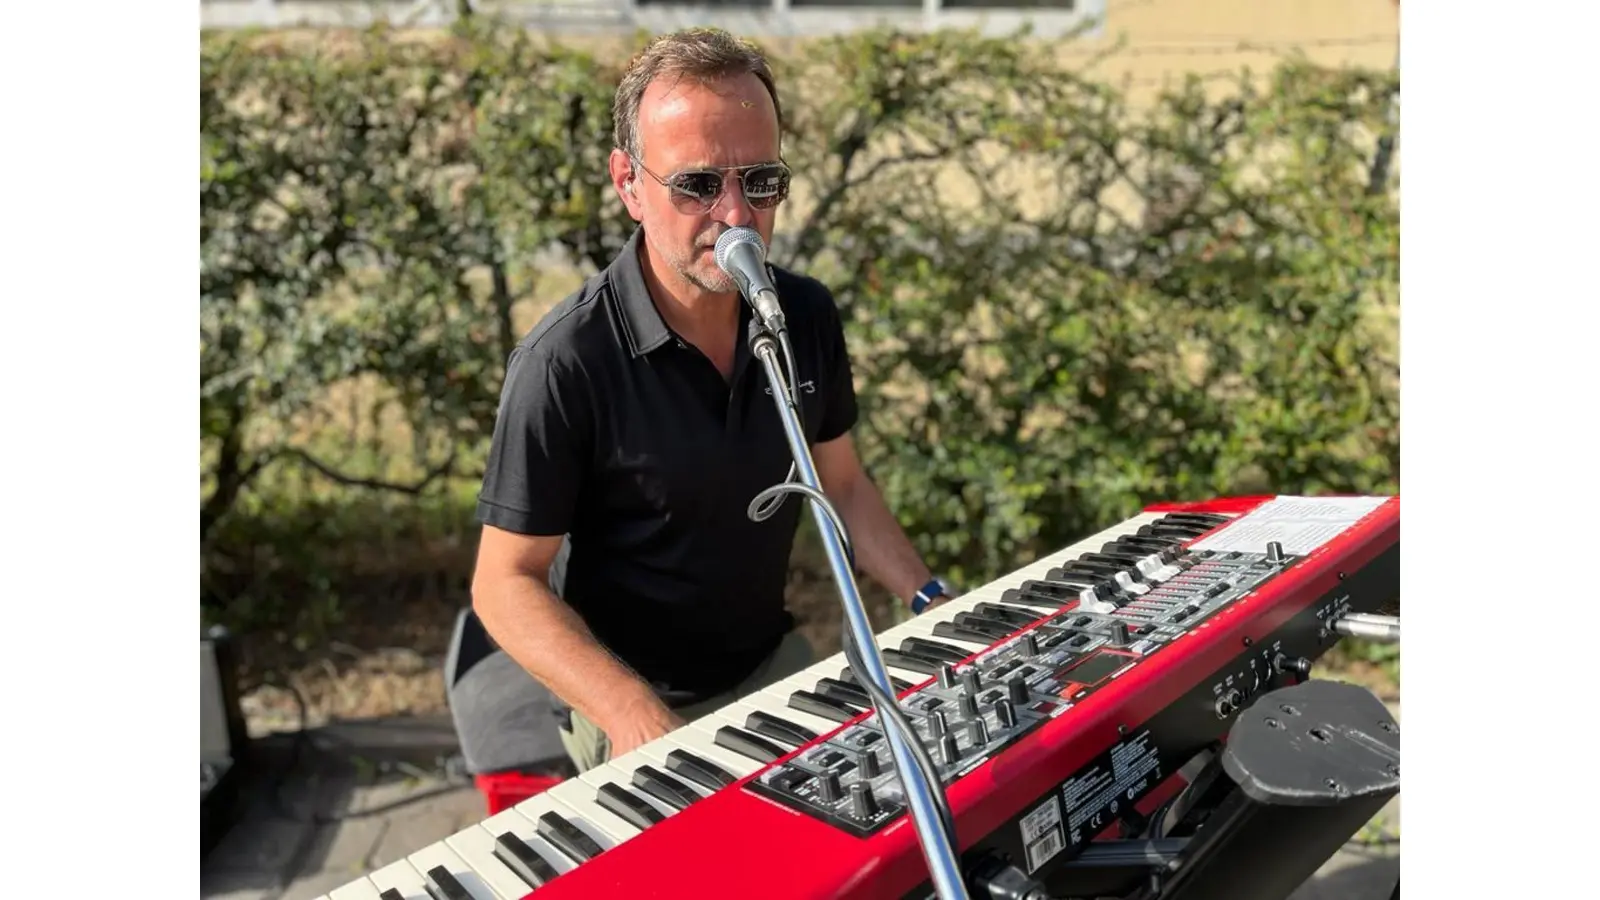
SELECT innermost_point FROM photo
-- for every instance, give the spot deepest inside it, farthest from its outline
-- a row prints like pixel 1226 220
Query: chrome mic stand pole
pixel 942 864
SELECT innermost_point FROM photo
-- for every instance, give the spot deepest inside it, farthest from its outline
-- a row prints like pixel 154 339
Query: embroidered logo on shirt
pixel 806 387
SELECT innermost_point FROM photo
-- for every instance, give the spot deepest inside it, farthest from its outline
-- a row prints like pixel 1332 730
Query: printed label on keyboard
pixel 1117 779
pixel 1300 524
pixel 1041 833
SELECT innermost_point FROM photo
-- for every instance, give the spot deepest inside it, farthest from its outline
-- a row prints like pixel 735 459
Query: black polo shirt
pixel 618 434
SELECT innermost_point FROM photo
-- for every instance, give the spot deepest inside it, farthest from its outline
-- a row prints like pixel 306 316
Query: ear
pixel 624 180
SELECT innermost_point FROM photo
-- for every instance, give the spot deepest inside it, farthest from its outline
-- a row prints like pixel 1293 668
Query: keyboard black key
pixel 1010 615
pixel 821 706
pixel 911 663
pixel 1206 520
pixel 961 633
pixel 1051 595
pixel 746 744
pixel 664 787
pixel 934 649
pixel 994 628
pixel 442 885
pixel 768 725
pixel 522 860
pixel 567 837
pixel 899 685
pixel 627 807
pixel 699 770
pixel 1093 571
pixel 1173 530
pixel 844 691
pixel 391 894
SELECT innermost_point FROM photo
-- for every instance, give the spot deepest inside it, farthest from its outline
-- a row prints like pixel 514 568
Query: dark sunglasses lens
pixel 701 186
pixel 766 186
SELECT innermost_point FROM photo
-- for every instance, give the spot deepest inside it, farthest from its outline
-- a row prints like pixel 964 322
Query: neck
pixel 688 309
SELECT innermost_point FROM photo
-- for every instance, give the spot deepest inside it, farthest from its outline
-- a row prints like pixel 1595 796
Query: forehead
pixel 729 122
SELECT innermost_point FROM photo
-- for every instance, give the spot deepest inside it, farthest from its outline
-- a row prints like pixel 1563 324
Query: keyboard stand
pixel 943 867
pixel 1271 809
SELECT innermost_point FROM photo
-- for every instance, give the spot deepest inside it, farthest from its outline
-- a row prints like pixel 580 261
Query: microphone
pixel 741 253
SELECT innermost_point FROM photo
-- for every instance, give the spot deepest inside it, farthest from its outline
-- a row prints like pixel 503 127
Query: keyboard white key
pixel 654 755
pixel 590 837
pixel 476 847
pixel 521 821
pixel 738 713
pixel 699 738
pixel 578 796
pixel 659 755
pixel 616 777
pixel 440 855
pixel 356 890
pixel 402 877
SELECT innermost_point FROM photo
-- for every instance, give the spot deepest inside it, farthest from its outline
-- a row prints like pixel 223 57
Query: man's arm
pixel 881 547
pixel 511 595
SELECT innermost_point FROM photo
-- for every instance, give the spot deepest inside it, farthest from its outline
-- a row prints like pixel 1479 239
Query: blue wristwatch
pixel 926 595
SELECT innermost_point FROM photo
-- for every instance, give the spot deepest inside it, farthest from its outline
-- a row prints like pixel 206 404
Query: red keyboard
pixel 1051 700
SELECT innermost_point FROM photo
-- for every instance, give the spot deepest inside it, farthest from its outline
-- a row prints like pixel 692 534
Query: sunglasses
pixel 765 185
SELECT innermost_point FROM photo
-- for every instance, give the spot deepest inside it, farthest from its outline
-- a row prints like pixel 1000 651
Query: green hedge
pixel 1062 306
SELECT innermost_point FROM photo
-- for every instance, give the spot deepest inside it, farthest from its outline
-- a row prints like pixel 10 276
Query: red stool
pixel 503 790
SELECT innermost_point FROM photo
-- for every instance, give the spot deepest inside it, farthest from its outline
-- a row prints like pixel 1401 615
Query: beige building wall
pixel 1163 40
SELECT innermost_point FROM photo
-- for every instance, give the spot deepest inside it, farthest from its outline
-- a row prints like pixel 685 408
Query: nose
pixel 732 208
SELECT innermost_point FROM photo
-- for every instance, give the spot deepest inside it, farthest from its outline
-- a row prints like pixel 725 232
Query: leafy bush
pixel 1062 307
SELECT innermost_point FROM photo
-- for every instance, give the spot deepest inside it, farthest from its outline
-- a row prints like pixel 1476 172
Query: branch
pixel 334 475
pixel 808 231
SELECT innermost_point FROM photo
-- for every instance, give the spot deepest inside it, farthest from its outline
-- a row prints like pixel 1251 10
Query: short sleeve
pixel 540 449
pixel 839 410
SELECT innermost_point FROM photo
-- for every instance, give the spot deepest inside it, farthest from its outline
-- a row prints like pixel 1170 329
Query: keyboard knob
pixel 947 677
pixel 828 786
pixel 862 804
pixel 1005 713
pixel 978 730
pixel 936 723
pixel 969 704
pixel 948 751
pixel 1274 551
pixel 1030 644
pixel 1017 690
pixel 1119 632
pixel 867 764
pixel 969 680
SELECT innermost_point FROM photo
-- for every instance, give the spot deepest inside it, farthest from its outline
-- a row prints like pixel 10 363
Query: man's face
pixel 687 129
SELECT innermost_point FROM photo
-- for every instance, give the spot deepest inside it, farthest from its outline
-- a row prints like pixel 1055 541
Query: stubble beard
pixel 708 278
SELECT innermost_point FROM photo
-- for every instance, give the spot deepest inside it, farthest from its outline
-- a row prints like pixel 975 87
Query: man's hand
pixel 643 722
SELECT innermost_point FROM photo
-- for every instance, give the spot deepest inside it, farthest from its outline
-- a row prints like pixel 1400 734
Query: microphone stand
pixel 942 864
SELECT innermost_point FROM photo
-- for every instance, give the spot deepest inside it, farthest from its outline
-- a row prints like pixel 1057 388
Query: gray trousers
pixel 588 746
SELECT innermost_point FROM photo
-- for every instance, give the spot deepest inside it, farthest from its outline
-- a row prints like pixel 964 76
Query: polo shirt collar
pixel 642 322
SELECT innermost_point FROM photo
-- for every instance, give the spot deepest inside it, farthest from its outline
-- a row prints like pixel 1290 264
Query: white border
pixel 1500 457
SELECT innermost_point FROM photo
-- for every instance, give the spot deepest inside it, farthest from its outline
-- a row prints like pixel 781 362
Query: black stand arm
pixel 1306 768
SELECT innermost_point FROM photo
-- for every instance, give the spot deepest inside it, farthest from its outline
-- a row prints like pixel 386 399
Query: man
pixel 635 428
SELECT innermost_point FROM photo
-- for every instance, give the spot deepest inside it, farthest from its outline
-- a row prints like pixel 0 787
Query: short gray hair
pixel 699 54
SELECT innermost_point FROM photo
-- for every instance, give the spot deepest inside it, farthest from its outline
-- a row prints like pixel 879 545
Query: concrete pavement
pixel 354 797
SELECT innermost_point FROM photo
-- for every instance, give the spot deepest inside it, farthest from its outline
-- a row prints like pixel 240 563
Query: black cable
pixel 888 710
pixel 299 741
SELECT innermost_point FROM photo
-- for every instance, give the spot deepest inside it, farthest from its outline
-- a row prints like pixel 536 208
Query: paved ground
pixel 355 797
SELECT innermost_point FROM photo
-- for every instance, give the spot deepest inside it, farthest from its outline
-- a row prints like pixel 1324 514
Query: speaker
pixel 224 740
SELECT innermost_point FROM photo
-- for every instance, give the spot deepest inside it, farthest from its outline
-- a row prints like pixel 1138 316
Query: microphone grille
pixel 735 237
